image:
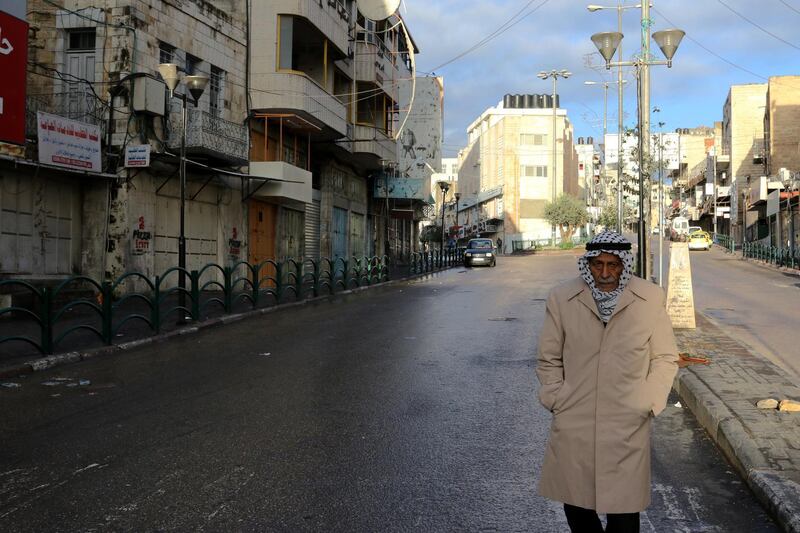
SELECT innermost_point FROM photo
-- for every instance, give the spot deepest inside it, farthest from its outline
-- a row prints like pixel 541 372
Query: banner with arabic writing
pixel 68 143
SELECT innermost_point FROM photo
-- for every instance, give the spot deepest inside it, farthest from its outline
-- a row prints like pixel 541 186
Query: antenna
pixel 378 9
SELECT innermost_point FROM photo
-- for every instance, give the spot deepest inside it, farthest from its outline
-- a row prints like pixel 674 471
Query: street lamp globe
pixel 169 71
pixel 668 41
pixel 196 85
pixel 607 43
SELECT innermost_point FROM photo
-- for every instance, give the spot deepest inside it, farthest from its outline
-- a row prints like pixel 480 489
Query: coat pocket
pixel 548 394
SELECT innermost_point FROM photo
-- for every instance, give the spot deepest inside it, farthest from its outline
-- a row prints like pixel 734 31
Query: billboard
pixel 400 188
pixel 13 62
pixel 68 143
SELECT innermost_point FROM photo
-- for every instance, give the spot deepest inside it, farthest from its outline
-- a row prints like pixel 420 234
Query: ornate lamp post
pixel 196 86
pixel 607 44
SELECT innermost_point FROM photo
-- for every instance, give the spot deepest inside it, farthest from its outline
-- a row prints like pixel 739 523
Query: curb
pixel 776 493
pixel 51 361
pixel 762 264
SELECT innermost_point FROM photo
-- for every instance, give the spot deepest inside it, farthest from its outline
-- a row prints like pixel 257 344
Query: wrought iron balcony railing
pixel 208 135
pixel 81 106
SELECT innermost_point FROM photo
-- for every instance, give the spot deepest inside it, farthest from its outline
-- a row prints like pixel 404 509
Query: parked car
pixel 699 240
pixel 480 252
pixel 692 229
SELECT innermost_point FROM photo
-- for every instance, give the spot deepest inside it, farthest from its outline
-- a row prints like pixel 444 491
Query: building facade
pixel 508 166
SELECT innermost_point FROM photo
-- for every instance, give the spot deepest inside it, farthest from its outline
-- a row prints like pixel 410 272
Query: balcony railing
pixel 208 135
pixel 370 140
pixel 80 106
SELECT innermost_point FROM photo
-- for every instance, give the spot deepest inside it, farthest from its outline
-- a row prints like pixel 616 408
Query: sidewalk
pixel 763 444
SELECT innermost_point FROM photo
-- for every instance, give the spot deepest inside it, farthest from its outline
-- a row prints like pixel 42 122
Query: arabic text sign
pixel 13 59
pixel 137 155
pixel 68 143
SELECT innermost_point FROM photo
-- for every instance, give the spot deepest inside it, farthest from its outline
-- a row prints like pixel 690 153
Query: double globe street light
pixel 668 41
pixel 196 84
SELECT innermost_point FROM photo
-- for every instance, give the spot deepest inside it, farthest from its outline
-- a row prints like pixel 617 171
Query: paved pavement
pixel 764 445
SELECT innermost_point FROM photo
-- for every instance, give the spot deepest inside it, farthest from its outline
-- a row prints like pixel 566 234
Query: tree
pixel 567 213
pixel 608 215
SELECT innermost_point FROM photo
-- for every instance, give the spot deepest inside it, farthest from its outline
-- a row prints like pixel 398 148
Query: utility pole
pixel 646 259
pixel 620 124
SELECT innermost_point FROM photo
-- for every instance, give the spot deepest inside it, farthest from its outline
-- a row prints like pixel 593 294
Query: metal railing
pixel 108 306
pixel 80 105
pixel 776 255
pixel 726 241
pixel 208 134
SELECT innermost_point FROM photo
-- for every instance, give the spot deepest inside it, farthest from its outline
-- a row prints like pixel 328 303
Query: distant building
pixel 506 173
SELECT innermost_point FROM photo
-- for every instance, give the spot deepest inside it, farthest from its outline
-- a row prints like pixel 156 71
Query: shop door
pixel 339 233
pixel 39 226
pixel 357 234
pixel 292 230
pixel 200 232
pixel 262 221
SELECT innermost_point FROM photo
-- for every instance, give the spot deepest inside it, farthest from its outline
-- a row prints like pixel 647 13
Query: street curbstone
pixel 781 495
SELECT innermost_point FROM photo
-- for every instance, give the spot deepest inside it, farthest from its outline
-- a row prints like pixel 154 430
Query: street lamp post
pixel 196 85
pixel 605 85
pixel 457 196
pixel 444 186
pixel 668 41
pixel 554 74
pixel 620 122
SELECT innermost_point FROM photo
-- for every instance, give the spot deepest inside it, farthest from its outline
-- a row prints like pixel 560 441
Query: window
pixel 215 91
pixel 532 139
pixel 533 171
pixel 81 40
pixel 192 65
pixel 166 53
pixel 302 48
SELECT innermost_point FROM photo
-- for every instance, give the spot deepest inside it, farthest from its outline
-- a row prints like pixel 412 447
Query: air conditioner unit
pixel 149 96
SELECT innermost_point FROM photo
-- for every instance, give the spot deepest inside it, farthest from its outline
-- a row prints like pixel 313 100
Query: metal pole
pixel 640 257
pixel 441 244
pixel 644 133
pixel 714 171
pixel 661 209
pixel 182 236
pixel 620 125
pixel 553 195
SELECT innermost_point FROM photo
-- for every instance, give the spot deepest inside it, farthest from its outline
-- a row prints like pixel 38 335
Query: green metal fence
pixel 154 303
pixel 725 241
pixel 776 255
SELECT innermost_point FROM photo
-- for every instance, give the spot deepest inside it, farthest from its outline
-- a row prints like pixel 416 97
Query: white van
pixel 680 229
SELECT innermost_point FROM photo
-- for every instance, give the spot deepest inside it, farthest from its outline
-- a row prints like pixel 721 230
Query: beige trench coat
pixel 603 386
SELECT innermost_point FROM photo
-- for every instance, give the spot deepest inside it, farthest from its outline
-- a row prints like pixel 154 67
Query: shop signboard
pixel 68 143
pixel 13 63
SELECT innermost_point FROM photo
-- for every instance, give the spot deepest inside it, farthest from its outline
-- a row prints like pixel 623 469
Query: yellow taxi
pixel 699 240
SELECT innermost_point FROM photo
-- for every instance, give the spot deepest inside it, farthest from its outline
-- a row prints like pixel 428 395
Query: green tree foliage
pixel 608 215
pixel 567 213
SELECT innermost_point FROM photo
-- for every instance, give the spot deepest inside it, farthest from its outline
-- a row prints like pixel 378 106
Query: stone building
pixel 510 147
pixel 284 147
pixel 70 204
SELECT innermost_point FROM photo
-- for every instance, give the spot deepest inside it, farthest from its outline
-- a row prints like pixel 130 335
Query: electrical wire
pixel 787 4
pixel 507 25
pixel 781 39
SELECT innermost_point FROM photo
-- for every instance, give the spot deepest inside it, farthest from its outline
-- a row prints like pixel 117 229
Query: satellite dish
pixel 378 9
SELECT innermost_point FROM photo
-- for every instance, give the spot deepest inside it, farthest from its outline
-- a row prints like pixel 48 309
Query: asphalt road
pixel 405 408
pixel 757 305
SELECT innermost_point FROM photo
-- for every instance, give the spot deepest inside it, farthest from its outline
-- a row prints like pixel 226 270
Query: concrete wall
pixel 783 108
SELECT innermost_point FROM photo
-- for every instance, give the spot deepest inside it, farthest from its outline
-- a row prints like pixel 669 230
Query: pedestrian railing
pixel 776 255
pixel 725 241
pixel 109 306
pixel 423 262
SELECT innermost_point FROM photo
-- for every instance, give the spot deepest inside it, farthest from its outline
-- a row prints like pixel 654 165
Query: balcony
pixel 759 151
pixel 298 94
pixel 291 185
pixel 208 135
pixel 372 142
pixel 373 63
pixel 78 105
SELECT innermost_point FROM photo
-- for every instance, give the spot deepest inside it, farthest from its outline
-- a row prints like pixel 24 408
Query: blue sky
pixel 557 35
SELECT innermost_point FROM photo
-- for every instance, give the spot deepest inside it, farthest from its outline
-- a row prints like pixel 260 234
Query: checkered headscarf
pixel 616 245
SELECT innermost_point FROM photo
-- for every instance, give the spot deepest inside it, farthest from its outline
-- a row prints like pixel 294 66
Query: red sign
pixel 13 59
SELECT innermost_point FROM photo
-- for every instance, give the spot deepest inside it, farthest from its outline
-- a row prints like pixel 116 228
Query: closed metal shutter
pixel 312 230
pixel 201 234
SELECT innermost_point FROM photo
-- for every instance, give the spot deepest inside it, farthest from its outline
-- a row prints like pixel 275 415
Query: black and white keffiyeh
pixel 616 245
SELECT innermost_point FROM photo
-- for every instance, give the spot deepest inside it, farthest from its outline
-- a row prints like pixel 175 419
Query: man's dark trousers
pixel 582 520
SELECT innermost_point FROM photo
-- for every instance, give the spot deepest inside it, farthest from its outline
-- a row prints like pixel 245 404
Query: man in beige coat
pixel 607 357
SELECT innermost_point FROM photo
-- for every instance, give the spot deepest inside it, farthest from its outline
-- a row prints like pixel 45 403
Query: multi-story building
pixel 72 202
pixel 284 148
pixel 509 164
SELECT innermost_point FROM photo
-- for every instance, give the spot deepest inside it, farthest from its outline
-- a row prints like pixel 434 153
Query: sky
pixel 721 48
